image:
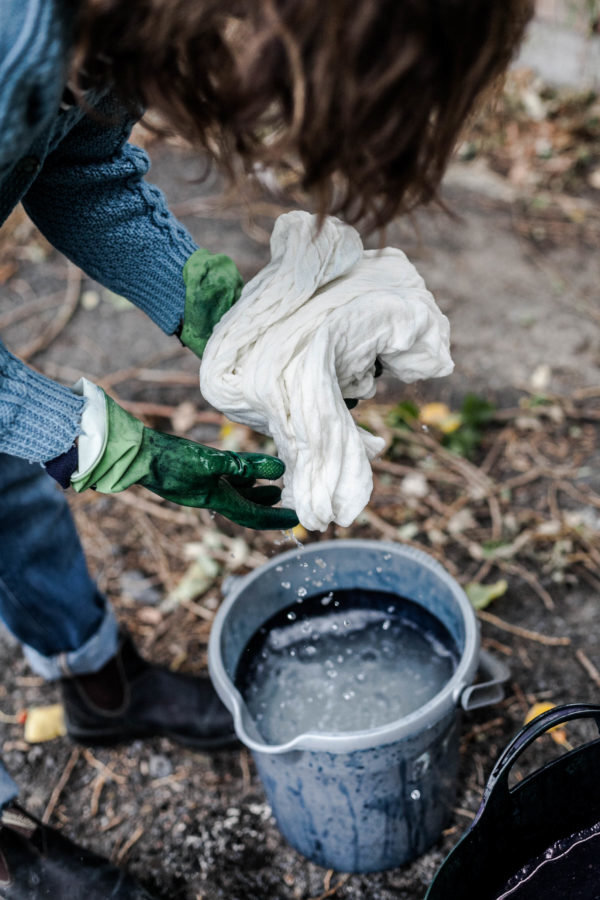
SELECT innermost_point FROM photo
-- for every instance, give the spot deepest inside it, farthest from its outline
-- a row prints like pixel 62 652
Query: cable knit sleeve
pixel 91 201
pixel 39 419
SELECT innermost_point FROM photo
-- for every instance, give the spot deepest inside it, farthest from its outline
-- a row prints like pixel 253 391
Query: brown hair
pixel 362 99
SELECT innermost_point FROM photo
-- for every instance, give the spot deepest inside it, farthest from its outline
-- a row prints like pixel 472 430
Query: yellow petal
pixel 300 533
pixel 557 733
pixel 44 723
pixel 536 710
pixel 433 413
pixel 440 416
pixel 450 423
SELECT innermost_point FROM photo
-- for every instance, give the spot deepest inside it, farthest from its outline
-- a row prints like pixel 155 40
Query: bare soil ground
pixel 524 508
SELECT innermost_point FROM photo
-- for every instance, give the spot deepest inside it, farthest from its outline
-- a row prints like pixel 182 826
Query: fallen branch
pixel 155 509
pixel 330 891
pixel 129 844
pixel 516 569
pixel 589 666
pixel 65 313
pixel 27 309
pixel 104 770
pixel 547 640
pixel 61 784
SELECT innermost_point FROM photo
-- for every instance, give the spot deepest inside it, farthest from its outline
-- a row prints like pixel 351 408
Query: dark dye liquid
pixel 343 661
pixel 569 870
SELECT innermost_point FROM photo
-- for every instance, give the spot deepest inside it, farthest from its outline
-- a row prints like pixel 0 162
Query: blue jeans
pixel 47 598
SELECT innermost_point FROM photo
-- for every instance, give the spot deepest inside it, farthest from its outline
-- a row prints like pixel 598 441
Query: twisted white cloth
pixel 305 334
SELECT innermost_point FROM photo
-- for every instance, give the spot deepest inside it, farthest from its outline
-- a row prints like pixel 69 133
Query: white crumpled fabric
pixel 304 334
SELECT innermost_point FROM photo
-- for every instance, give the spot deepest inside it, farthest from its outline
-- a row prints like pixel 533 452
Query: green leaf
pixel 481 595
pixel 477 410
pixel 402 414
pixel 464 441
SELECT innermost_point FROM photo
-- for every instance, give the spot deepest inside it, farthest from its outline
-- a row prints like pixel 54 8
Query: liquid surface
pixel 341 662
pixel 569 870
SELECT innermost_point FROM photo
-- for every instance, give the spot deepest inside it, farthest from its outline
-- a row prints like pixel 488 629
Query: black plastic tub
pixel 539 840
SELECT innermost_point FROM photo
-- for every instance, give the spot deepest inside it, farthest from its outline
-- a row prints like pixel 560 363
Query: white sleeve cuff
pixel 91 442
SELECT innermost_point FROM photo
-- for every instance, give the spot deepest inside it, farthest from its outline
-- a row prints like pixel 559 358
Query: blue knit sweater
pixel 83 186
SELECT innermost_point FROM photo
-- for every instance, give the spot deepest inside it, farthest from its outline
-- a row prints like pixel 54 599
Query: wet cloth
pixel 304 335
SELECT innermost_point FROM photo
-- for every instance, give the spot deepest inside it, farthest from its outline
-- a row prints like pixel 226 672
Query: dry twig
pixel 589 666
pixel 129 844
pixel 61 784
pixel 526 633
pixel 67 310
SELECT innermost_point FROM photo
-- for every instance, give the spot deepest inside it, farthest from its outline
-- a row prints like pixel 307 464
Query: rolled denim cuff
pixel 88 658
pixel 8 788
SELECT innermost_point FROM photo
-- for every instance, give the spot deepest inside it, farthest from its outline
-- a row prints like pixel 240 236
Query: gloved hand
pixel 125 452
pixel 213 284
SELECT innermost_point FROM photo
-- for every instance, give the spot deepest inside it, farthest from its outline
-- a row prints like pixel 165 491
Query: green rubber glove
pixel 186 472
pixel 213 284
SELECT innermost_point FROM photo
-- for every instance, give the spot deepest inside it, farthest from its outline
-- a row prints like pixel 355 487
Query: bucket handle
pixel 498 780
pixel 475 696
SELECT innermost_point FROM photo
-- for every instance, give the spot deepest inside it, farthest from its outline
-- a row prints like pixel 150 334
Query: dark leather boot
pixel 131 698
pixel 38 862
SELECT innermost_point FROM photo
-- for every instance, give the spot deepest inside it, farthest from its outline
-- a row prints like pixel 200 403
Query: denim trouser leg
pixel 47 598
pixel 8 789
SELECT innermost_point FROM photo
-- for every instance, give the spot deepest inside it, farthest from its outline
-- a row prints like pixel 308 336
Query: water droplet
pixel 326 600
pixel 335 626
pixel 387 556
pixel 348 695
pixel 320 563
pixel 360 676
pixel 286 585
pixel 391 609
pixel 279 568
pixel 291 616
pixel 378 569
pixel 386 624
pixel 347 622
pixel 331 673
pixel 302 592
pixel 415 795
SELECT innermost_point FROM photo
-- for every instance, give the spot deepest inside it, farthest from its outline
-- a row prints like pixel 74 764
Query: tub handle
pixel 497 792
pixel 487 692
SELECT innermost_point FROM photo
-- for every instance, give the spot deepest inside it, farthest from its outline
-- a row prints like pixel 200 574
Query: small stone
pixel 159 766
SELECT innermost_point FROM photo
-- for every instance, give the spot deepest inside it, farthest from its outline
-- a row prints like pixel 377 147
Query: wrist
pixel 213 285
pixel 61 468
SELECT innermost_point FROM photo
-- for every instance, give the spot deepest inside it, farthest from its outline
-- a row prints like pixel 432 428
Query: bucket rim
pixel 418 721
